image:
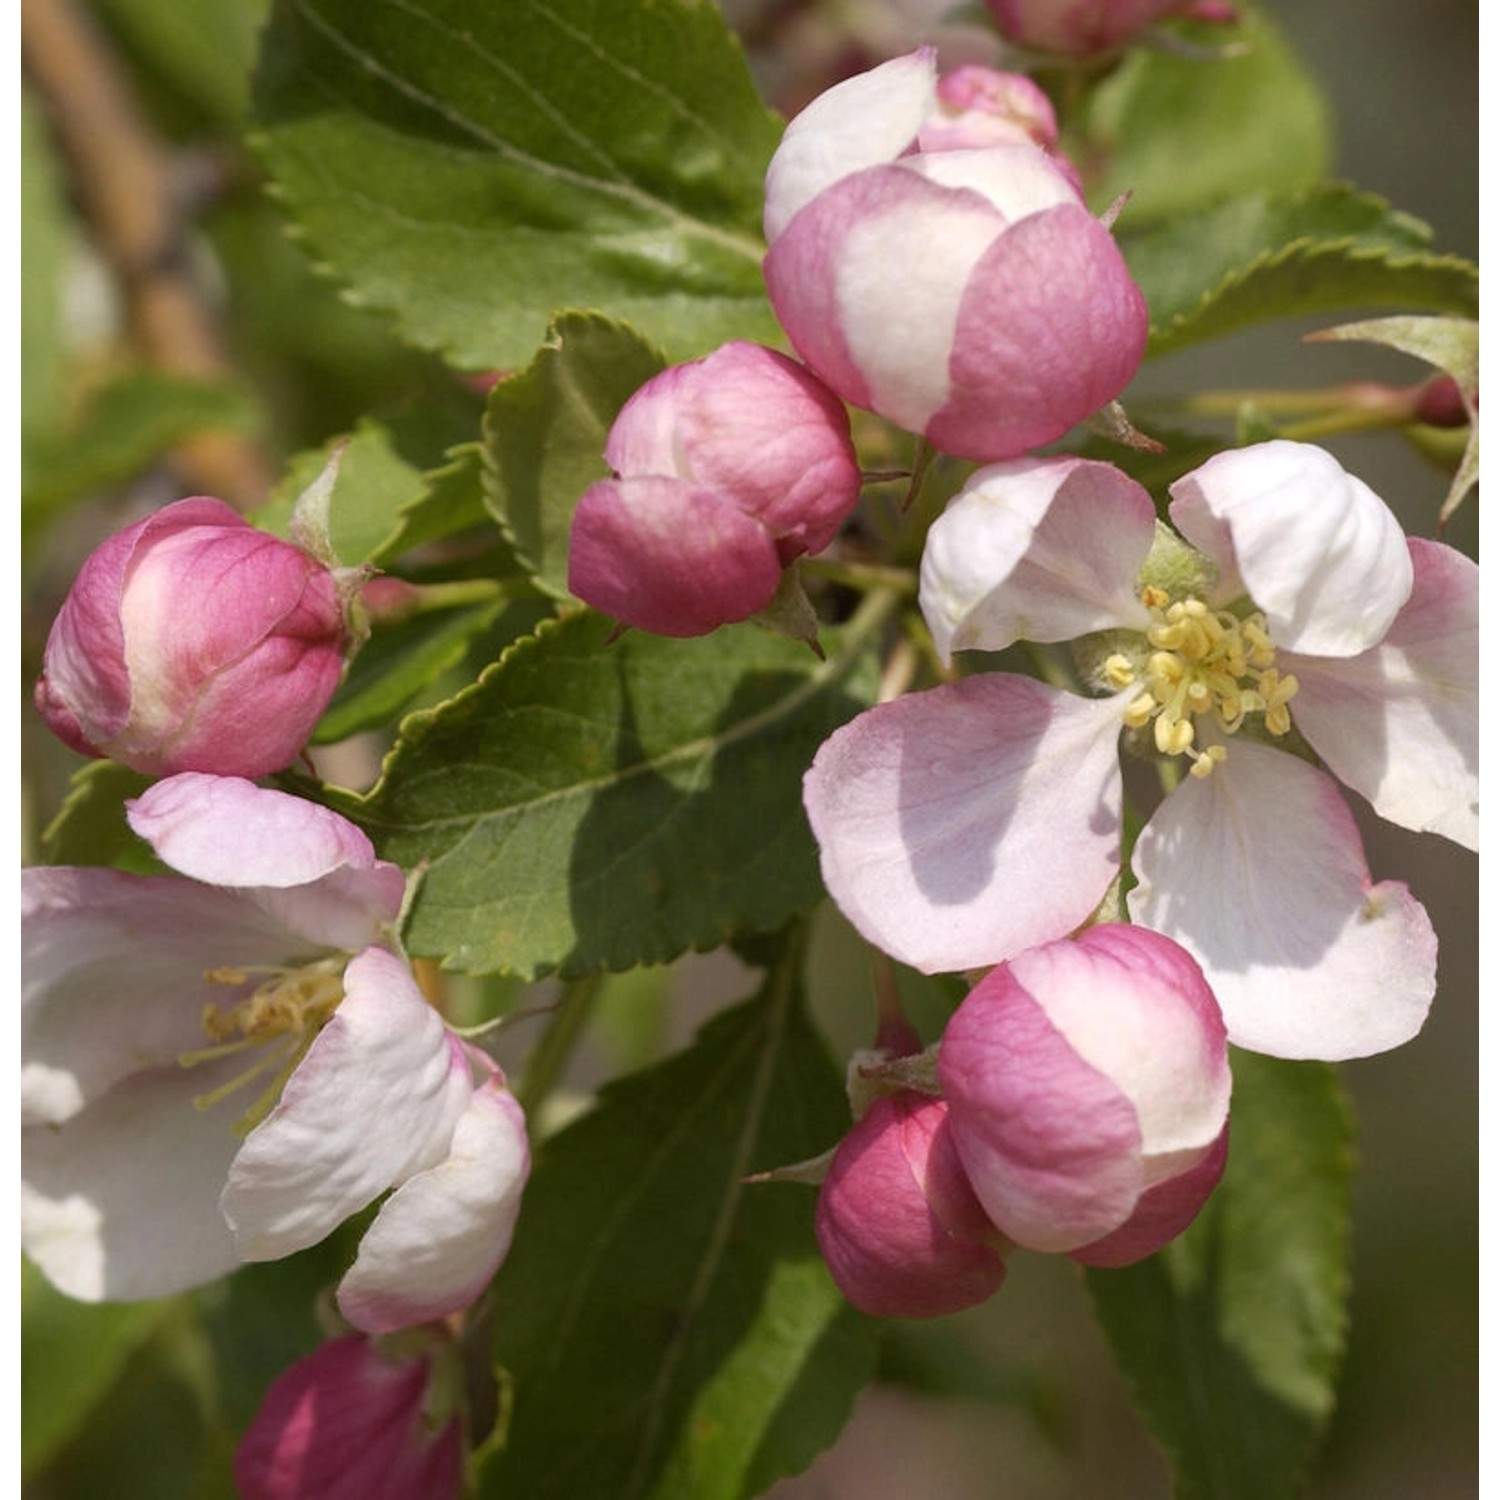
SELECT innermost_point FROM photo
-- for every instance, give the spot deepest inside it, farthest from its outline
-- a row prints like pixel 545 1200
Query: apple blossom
pixel 360 1419
pixel 959 825
pixel 144 996
pixel 1088 1093
pixel 726 470
pixel 192 641
pixel 1081 27
pixel 967 295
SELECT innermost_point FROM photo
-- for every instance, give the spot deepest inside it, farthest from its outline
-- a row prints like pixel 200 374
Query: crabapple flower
pixel 360 1419
pixel 192 641
pixel 726 470
pixel 1080 27
pixel 964 294
pixel 960 825
pixel 898 1224
pixel 152 1004
pixel 1088 1094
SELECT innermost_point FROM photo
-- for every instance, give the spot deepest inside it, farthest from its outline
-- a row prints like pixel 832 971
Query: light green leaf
pixel 1179 132
pixel 545 429
pixel 1231 1337
pixel 44 237
pixel 669 1330
pixel 471 169
pixel 90 826
pixel 1261 257
pixel 587 806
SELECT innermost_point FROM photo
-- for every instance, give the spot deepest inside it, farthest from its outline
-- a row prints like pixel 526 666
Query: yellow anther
pixel 1139 710
pixel 1153 597
pixel 1173 735
pixel 1205 761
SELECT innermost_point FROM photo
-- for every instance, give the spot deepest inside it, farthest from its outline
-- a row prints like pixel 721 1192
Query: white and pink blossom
pixel 967 294
pixel 1081 27
pixel 224 1064
pixel 962 824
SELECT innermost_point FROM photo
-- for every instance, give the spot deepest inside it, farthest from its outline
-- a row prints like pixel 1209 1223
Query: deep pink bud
pixel 964 294
pixel 898 1223
pixel 727 469
pixel 192 641
pixel 1088 1090
pixel 1081 27
pixel 359 1419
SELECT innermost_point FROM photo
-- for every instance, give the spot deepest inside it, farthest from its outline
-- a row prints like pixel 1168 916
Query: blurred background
pixel 1017 1400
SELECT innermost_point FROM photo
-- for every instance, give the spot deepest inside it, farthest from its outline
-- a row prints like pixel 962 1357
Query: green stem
pixel 555 1047
pixel 861 576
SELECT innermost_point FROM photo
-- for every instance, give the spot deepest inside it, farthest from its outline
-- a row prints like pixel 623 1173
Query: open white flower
pixel 960 825
pixel 209 1076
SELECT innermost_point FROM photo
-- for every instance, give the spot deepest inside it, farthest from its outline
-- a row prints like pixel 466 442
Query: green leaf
pixel 471 169
pixel 90 826
pixel 1231 1337
pixel 669 1330
pixel 44 236
pixel 545 429
pixel 126 426
pixel 71 1354
pixel 1178 132
pixel 1261 257
pixel 587 806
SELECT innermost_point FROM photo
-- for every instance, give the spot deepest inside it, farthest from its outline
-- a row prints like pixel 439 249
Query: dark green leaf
pixel 1232 1336
pixel 1262 257
pixel 588 807
pixel 471 169
pixel 1178 132
pixel 90 826
pixel 545 430
pixel 670 1331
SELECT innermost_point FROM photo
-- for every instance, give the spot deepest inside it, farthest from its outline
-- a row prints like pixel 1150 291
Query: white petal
pixel 1258 871
pixel 871 118
pixel 1018 179
pixel 113 976
pixel 121 1203
pixel 374 1100
pixel 963 824
pixel 1400 723
pixel 440 1237
pixel 1037 549
pixel 1316 549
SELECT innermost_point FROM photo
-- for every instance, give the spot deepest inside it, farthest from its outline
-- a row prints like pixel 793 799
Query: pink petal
pixel 871 118
pixel 960 825
pixel 228 832
pixel 1258 871
pixel 440 1237
pixel 374 1100
pixel 120 1204
pixel 113 969
pixel 1038 549
pixel 1316 549
pixel 1400 723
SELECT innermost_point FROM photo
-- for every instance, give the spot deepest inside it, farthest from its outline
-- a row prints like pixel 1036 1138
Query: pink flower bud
pixel 1088 1090
pixel 979 106
pixel 1081 27
pixel 898 1223
pixel 191 641
pixel 727 469
pixel 967 295
pixel 360 1419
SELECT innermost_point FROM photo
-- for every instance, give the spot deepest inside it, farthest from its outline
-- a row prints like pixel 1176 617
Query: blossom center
pixel 279 1017
pixel 1201 664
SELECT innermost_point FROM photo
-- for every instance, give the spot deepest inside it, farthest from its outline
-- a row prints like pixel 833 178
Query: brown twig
pixel 123 180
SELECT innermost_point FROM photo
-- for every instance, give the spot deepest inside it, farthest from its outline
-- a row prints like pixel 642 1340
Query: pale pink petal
pixel 311 869
pixel 121 1203
pixel 1315 548
pixel 374 1100
pixel 643 437
pixel 1400 722
pixel 1038 549
pixel 440 1237
pixel 1051 1145
pixel 1258 871
pixel 1162 1213
pixel 114 976
pixel 960 825
pixel 871 118
pixel 348 1423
